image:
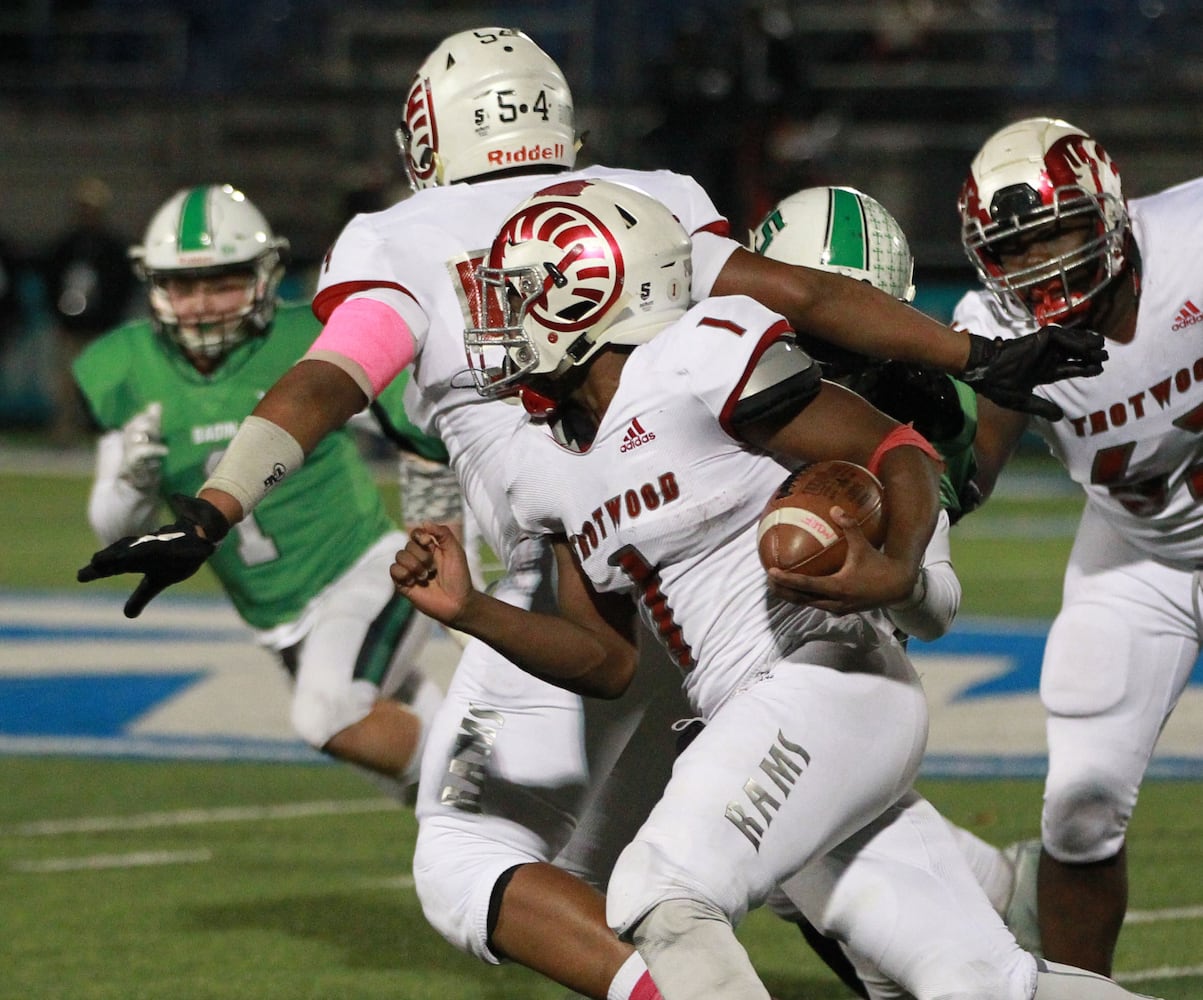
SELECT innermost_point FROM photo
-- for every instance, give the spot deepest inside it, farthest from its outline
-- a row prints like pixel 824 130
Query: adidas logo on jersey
pixel 635 436
pixel 1187 315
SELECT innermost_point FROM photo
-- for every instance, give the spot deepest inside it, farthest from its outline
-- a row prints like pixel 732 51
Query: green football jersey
pixel 306 531
pixel 960 464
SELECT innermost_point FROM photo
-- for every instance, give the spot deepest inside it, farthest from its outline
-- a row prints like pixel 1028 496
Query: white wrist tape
pixel 260 456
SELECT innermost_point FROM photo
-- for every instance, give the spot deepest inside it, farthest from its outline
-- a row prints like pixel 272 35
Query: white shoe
pixel 1021 915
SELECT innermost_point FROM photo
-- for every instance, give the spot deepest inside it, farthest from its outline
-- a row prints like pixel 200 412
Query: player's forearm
pixel 312 399
pixel 928 612
pixel 549 647
pixel 848 313
pixel 116 508
pixel 863 319
pixel 932 607
pixel 911 481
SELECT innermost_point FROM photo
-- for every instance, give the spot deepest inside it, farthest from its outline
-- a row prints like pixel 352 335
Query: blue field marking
pixel 1022 643
pixel 22 632
pixel 186 681
pixel 84 704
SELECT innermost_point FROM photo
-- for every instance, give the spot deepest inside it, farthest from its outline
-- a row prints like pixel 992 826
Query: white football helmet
pixel 839 229
pixel 1032 174
pixel 483 101
pixel 579 265
pixel 206 232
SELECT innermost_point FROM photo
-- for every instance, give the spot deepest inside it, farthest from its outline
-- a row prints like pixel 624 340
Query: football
pixel 797 533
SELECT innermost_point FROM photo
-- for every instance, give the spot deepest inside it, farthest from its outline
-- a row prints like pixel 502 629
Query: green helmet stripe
pixel 194 221
pixel 846 231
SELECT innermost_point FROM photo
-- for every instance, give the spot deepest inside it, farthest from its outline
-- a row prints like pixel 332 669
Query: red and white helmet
pixel 579 265
pixel 485 100
pixel 1031 174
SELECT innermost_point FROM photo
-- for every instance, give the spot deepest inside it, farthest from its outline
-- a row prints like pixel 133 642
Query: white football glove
pixel 143 449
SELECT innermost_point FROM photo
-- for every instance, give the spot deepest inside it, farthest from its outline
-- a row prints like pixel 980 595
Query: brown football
pixel 797 532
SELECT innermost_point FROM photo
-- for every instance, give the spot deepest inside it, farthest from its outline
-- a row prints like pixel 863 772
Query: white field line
pixel 1165 972
pixel 1153 916
pixel 392 882
pixel 193 817
pixel 96 862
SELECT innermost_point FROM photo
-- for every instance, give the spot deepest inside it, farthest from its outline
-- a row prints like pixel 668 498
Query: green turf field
pixel 137 880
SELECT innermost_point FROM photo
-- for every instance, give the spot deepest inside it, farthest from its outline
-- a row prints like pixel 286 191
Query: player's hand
pixel 432 572
pixel 142 449
pixel 1006 371
pixel 168 555
pixel 868 579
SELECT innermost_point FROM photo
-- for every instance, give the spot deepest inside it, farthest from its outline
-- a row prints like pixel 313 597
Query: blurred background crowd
pixel 107 106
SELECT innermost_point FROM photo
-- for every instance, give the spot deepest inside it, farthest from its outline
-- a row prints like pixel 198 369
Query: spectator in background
pixel 89 286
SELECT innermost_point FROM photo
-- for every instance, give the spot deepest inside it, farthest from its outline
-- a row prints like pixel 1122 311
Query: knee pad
pixel 456 867
pixel 691 950
pixel 636 886
pixel 318 713
pixel 1085 819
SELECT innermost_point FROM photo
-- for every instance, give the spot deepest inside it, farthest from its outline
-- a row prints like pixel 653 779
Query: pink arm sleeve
pixel 370 334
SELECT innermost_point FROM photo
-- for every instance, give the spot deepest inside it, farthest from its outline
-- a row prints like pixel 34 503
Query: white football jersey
pixel 428 247
pixel 1133 436
pixel 665 502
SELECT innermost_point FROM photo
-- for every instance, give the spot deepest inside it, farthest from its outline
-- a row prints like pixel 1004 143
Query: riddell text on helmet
pixel 526 154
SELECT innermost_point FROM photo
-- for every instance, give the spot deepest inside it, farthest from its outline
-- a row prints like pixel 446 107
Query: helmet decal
pixel 423 139
pixel 1026 178
pixel 591 263
pixel 193 234
pixel 577 266
pixel 847 245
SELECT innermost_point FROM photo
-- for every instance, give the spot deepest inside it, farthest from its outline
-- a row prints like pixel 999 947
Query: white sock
pixel 633 981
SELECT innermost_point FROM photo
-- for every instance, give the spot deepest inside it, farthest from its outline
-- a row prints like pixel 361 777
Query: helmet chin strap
pixel 587 344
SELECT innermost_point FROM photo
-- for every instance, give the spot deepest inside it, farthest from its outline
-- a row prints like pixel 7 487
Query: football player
pixel 846 231
pixel 1045 223
pixel 665 425
pixel 305 570
pixel 514 763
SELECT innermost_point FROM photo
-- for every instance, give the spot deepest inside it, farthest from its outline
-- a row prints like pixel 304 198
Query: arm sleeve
pixel 369 338
pixel 710 252
pixel 929 612
pixel 115 508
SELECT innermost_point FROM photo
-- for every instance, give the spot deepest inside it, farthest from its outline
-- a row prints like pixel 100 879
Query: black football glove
pixel 920 396
pixel 168 555
pixel 1006 371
